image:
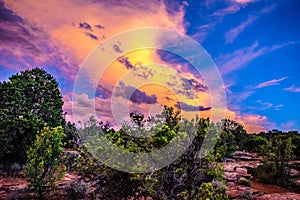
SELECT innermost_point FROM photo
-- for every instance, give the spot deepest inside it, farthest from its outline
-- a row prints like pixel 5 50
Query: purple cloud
pixel 135 95
pixel 125 61
pixel 90 35
pixel 85 25
pixel 99 26
pixel 187 107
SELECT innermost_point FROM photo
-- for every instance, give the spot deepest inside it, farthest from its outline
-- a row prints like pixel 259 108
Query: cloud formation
pixel 238 59
pixel 187 107
pixel 231 35
pixel 271 82
pixel 133 94
pixel 292 88
pixel 234 32
pixel 85 25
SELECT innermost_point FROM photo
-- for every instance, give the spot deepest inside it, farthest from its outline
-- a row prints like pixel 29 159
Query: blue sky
pixel 255 45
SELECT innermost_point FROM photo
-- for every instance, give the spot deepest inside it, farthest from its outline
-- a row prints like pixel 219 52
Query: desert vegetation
pixel 35 136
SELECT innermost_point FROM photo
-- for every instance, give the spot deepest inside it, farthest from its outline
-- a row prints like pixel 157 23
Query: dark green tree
pixel 235 130
pixel 28 101
pixel 256 144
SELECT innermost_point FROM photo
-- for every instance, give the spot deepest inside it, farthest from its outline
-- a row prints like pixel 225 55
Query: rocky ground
pixel 240 184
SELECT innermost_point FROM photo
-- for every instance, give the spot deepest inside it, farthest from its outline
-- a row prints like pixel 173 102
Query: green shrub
pixel 180 179
pixel 43 165
pixel 211 192
pixel 244 181
pixel 275 168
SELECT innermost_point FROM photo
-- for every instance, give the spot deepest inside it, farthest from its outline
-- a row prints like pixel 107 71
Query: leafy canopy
pixel 28 101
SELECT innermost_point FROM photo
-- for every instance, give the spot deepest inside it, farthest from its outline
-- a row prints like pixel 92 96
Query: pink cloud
pixel 271 82
pixel 292 88
pixel 253 123
pixel 233 33
pixel 244 1
pixel 228 10
pixel 288 126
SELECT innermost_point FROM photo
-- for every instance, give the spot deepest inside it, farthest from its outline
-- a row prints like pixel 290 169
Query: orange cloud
pixel 60 20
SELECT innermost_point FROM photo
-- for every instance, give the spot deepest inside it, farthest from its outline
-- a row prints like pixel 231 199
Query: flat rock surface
pixel 280 196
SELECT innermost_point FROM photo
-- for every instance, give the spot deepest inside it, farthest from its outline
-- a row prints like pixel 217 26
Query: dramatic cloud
pixel 193 84
pixel 271 82
pixel 54 33
pixel 134 95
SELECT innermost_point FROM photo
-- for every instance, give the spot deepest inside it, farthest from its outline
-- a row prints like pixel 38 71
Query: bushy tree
pixel 275 168
pixel 44 163
pixel 27 101
pixel 257 144
pixel 188 177
pixel 236 129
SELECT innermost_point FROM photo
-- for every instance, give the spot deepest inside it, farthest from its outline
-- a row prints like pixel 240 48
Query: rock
pixel 234 171
pixel 241 170
pixel 232 194
pixel 229 160
pixel 294 172
pixel 237 191
pixel 230 184
pixel 242 155
pixel 280 196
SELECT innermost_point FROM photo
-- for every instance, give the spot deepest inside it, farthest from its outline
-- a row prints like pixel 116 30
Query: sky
pixel 251 46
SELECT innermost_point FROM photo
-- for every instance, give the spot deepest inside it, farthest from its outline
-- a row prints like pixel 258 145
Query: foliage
pixel 43 166
pixel 236 129
pixel 71 138
pixel 27 101
pixel 179 180
pixel 275 168
pixel 83 162
pixel 231 138
pixel 212 191
pixel 257 144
